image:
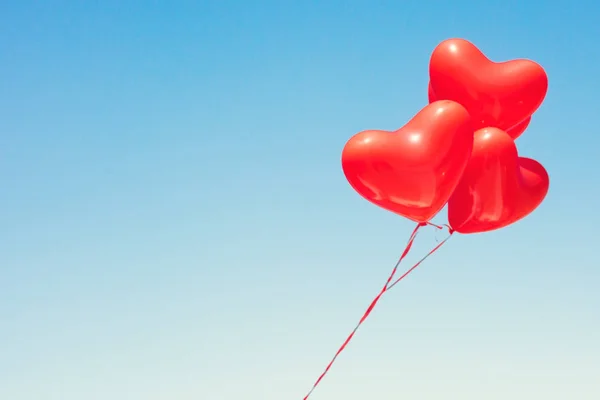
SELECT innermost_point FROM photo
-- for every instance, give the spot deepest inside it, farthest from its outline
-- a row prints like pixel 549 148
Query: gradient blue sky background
pixel 175 224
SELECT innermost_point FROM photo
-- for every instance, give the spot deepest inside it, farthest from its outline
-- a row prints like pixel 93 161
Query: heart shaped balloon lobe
pixel 514 132
pixel 499 95
pixel 498 187
pixel 414 170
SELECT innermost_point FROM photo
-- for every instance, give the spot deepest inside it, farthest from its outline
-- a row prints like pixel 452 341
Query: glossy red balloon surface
pixel 430 95
pixel 498 187
pixel 499 95
pixel 514 132
pixel 414 170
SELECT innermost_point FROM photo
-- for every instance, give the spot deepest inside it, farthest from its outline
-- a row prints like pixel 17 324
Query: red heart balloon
pixel 498 187
pixel 514 132
pixel 499 95
pixel 430 95
pixel 519 128
pixel 414 170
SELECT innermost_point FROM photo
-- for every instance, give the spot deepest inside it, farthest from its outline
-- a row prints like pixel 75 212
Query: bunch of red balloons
pixel 458 150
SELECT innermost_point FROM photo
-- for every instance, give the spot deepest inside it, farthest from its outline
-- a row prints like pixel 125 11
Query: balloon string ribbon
pixel 388 285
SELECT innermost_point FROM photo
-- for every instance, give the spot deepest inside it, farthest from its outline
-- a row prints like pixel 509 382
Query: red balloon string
pixel 385 288
pixel 436 248
pixel 435 226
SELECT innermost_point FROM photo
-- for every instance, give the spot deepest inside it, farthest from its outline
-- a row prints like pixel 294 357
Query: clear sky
pixel 175 224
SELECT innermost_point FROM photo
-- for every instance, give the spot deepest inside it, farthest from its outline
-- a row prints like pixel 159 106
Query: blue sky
pixel 175 224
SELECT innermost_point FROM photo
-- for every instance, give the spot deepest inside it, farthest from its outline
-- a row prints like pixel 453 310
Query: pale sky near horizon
pixel 175 224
